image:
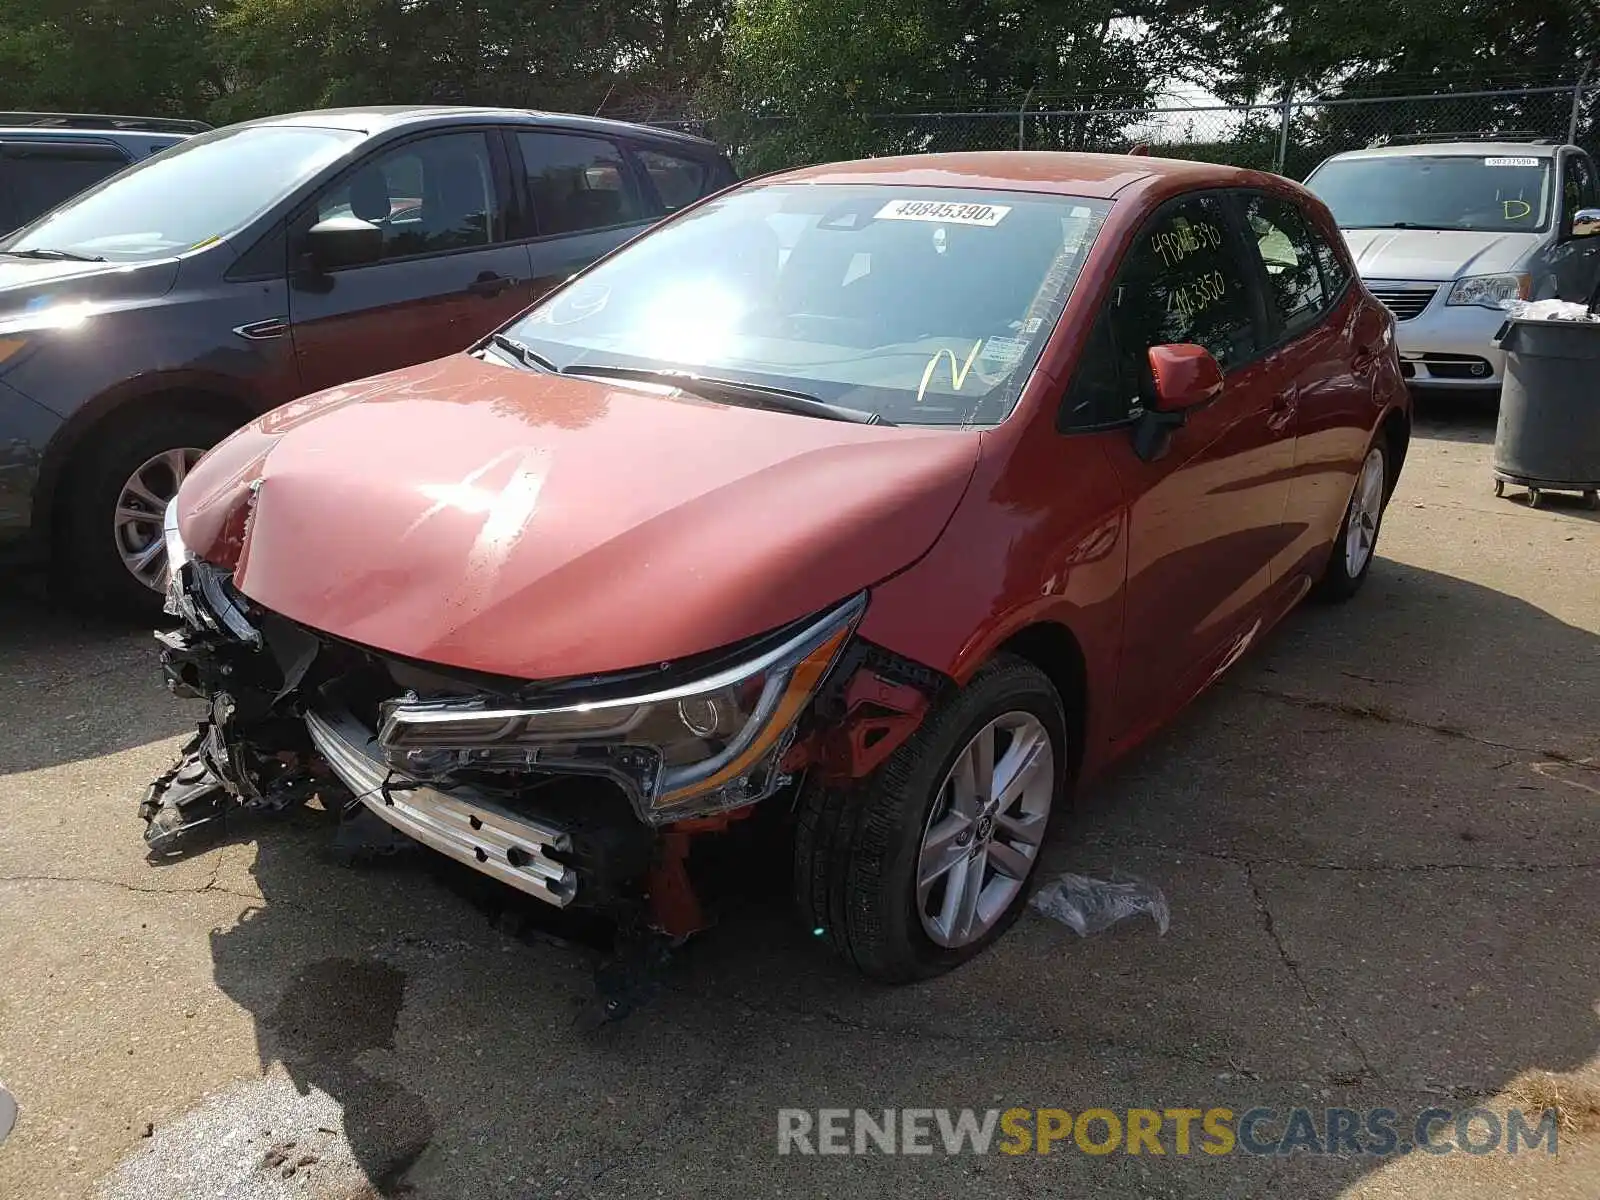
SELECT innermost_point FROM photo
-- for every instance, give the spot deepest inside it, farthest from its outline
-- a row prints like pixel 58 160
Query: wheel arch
pixel 1395 429
pixel 1054 649
pixel 189 391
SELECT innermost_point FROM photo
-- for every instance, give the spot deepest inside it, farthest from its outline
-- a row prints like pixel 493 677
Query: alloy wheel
pixel 984 830
pixel 141 508
pixel 1366 509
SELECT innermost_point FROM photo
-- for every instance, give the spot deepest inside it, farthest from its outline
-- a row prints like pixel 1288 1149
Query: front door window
pixel 428 196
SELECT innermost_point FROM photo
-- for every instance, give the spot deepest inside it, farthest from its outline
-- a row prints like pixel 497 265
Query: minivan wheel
pixel 922 866
pixel 1357 543
pixel 110 555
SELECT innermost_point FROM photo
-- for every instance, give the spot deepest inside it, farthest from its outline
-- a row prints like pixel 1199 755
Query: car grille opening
pixel 1404 303
pixel 1458 366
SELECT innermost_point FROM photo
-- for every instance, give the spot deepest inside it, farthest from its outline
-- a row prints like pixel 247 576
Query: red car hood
pixel 537 526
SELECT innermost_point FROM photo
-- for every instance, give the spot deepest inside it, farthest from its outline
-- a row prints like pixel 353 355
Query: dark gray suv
pixel 148 317
pixel 47 157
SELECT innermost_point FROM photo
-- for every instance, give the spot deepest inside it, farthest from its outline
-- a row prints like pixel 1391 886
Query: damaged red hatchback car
pixel 888 498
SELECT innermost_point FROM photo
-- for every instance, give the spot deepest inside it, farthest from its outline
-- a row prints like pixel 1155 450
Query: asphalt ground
pixel 1377 837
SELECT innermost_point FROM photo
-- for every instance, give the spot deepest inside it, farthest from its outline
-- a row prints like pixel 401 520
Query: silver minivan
pixel 1445 234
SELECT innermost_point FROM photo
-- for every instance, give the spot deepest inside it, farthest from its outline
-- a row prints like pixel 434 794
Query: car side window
pixel 577 182
pixel 1578 191
pixel 678 180
pixel 427 196
pixel 1182 280
pixel 35 177
pixel 1335 274
pixel 1284 241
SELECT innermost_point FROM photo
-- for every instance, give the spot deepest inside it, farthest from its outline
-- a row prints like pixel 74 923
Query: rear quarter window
pixel 679 179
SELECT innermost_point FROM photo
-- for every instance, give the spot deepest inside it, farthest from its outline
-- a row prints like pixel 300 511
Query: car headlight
pixel 1490 291
pixel 705 746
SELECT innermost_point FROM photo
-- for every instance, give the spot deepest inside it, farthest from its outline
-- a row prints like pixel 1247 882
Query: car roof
pixel 382 118
pixel 65 124
pixel 1098 176
pixel 1468 149
pixel 58 133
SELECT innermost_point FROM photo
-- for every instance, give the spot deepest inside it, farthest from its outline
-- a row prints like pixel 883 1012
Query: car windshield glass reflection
pixel 923 305
pixel 1503 193
pixel 188 196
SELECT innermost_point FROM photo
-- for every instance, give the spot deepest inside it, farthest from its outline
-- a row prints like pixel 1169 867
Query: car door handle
pixel 1283 408
pixel 490 284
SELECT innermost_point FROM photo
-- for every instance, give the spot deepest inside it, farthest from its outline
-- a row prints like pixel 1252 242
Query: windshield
pixel 923 305
pixel 1505 194
pixel 196 192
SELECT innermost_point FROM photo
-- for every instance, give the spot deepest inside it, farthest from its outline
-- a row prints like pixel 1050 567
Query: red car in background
pixel 889 498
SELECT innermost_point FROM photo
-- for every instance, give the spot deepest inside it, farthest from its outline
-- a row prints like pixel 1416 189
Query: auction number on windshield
pixel 986 215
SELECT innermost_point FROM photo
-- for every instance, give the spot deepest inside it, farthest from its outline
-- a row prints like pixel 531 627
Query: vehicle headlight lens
pixel 1490 291
pixel 703 747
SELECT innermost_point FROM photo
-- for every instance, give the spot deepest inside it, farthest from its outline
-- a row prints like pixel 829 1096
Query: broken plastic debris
pixel 8 1112
pixel 1550 310
pixel 1088 906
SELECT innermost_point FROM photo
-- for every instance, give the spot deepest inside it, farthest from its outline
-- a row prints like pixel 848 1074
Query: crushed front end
pixel 579 792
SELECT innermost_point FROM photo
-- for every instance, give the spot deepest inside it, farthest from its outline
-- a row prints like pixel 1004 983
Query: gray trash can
pixel 1548 437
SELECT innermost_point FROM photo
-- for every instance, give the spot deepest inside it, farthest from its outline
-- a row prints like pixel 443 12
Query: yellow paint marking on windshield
pixel 958 371
pixel 204 242
pixel 1522 209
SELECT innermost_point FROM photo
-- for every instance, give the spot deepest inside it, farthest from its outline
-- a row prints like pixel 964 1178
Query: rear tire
pixel 858 849
pixel 90 571
pixel 1351 558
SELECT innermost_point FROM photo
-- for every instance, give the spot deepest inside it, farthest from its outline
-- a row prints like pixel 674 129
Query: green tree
pixel 152 57
pixel 813 77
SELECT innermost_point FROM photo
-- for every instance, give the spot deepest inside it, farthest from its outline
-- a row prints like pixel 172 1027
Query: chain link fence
pixel 1290 138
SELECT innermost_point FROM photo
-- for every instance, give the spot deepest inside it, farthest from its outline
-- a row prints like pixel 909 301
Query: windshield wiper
pixel 56 255
pixel 526 355
pixel 712 387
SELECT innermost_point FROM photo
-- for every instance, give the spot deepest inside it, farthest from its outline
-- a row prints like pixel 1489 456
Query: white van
pixel 1446 234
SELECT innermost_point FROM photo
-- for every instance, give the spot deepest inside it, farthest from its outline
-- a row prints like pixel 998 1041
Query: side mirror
pixel 1186 377
pixel 343 242
pixel 1586 223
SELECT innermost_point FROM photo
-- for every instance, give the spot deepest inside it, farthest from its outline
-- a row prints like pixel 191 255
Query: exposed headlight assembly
pixel 703 747
pixel 1490 291
pixel 196 590
pixel 178 603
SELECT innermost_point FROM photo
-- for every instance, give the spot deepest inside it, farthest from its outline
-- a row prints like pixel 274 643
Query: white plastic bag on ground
pixel 1088 906
pixel 1549 310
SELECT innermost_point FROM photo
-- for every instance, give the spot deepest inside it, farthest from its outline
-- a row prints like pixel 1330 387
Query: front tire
pixel 924 865
pixel 1357 543
pixel 110 556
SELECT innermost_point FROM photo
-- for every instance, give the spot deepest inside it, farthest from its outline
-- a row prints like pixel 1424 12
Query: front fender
pixel 1007 563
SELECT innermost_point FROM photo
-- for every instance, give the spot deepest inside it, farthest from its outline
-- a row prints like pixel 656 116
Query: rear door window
pixel 1283 240
pixel 577 183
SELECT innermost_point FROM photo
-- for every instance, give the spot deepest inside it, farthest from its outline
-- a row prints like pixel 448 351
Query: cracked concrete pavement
pixel 1377 837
